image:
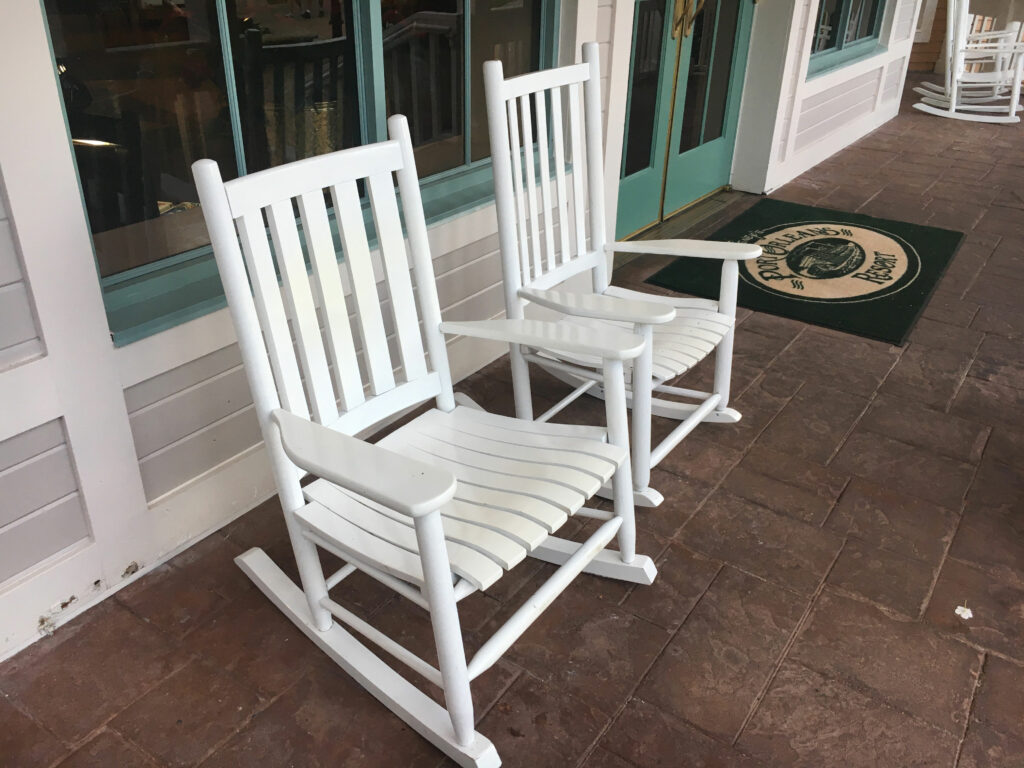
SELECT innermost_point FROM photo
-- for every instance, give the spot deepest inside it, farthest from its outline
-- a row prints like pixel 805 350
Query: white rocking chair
pixel 683 331
pixel 443 506
pixel 983 70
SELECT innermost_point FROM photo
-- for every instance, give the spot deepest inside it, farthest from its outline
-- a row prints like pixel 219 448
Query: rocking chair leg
pixel 723 353
pixel 444 617
pixel 419 711
pixel 521 383
pixel 618 434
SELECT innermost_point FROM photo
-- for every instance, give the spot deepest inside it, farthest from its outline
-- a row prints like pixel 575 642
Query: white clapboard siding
pixel 40 512
pixel 893 79
pixel 904 21
pixel 19 335
pixel 824 113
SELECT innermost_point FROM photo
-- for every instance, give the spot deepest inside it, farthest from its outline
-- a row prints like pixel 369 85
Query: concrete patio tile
pixel 807 720
pixel 325 720
pixel 912 470
pixel 108 749
pixel 188 714
pixel 595 652
pixel 987 401
pixel 1008 222
pixel 814 424
pixel 894 521
pixel 700 456
pixel 883 577
pixel 645 736
pixel 778 495
pixel 257 644
pixel 536 725
pixel 927 375
pixel 857 366
pixel 777 548
pixel 986 747
pixel 953 214
pixel 992 540
pixel 951 309
pixel 1005 446
pixel 956 190
pixel 759 404
pixel 999 361
pixel 602 758
pixel 763 324
pixel 683 576
pixel 904 663
pixel 21 736
pixel 713 669
pixel 999 702
pixel 998 608
pixel 932 333
pixel 90 670
pixel 991 288
pixel 916 424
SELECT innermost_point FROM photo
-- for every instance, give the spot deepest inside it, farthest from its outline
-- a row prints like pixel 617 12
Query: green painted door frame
pixel 672 179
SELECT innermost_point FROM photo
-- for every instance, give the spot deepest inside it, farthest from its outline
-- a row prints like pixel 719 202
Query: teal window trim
pixel 831 60
pixel 843 53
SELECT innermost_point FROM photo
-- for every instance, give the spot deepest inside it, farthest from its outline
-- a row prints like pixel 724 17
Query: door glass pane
pixel 862 20
pixel 643 86
pixel 721 68
pixel 296 77
pixel 828 26
pixel 424 75
pixel 143 88
pixel 698 77
pixel 508 30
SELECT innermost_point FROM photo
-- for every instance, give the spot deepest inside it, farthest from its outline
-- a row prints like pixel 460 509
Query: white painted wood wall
pixel 789 123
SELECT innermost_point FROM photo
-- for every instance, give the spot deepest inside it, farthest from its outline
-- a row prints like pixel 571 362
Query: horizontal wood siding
pixel 893 79
pixel 19 336
pixel 41 512
pixel 190 419
pixel 924 55
pixel 904 21
pixel 823 113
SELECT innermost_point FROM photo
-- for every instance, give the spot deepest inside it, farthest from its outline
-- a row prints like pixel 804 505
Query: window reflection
pixel 143 87
pixel 828 26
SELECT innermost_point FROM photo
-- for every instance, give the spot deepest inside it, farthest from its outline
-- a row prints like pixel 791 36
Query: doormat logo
pixel 830 262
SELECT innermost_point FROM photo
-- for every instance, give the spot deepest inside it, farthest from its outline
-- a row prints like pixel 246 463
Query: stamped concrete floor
pixel 811 558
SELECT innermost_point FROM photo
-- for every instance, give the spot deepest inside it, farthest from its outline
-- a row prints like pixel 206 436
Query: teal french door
pixel 682 109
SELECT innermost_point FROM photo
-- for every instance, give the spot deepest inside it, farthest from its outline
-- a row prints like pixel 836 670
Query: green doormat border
pixel 847 271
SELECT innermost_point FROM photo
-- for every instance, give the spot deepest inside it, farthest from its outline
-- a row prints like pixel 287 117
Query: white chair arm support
pixel 702 249
pixel 606 343
pixel 601 307
pixel 399 483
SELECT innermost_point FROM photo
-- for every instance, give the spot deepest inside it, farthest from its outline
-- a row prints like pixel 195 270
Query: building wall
pixel 789 122
pixel 19 333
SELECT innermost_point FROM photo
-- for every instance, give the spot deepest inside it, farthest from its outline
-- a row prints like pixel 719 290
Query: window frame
pixel 843 53
pixel 154 297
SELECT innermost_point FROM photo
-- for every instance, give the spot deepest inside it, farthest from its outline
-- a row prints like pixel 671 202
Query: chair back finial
pixel 336 340
pixel 546 148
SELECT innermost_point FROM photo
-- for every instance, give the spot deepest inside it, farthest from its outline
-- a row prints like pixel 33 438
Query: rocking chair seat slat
pixel 499 483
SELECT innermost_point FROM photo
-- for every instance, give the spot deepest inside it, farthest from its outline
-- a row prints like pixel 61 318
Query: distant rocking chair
pixel 683 331
pixel 444 505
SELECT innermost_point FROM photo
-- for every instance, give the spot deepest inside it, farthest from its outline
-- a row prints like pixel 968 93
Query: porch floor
pixel 811 558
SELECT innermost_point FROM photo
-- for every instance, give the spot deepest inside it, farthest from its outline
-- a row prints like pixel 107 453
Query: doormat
pixel 854 273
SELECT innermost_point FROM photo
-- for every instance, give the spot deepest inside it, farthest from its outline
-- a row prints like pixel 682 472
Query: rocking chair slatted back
pixel 342 374
pixel 528 130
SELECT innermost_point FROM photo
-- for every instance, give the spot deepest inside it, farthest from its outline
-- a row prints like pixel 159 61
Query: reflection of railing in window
pixel 299 99
pixel 421 53
pixel 649 25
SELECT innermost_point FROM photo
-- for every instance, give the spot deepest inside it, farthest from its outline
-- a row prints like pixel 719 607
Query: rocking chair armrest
pixel 601 307
pixel 405 485
pixel 702 249
pixel 606 343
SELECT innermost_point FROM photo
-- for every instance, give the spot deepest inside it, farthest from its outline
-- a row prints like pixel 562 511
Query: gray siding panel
pixel 188 458
pixel 34 483
pixel 36 537
pixel 17 449
pixel 17 321
pixel 148 392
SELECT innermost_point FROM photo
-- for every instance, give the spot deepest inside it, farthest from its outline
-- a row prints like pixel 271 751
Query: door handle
pixel 684 14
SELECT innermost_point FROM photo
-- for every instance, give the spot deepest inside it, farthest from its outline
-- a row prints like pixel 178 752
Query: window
pixel 150 86
pixel 846 29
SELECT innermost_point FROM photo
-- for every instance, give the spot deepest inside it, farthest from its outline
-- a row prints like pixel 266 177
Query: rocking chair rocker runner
pixel 682 331
pixel 441 507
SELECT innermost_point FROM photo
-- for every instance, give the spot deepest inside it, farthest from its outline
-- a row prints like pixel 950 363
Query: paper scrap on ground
pixel 964 612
